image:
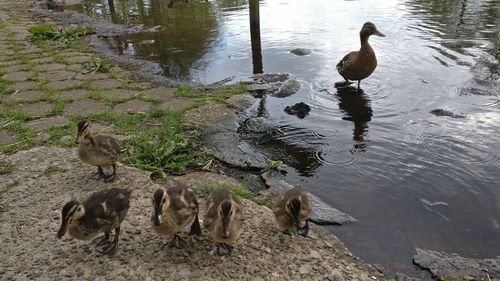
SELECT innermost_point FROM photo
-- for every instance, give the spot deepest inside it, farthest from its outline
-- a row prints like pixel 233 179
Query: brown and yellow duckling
pixel 100 151
pixel 102 212
pixel 292 211
pixel 175 210
pixel 358 65
pixel 223 219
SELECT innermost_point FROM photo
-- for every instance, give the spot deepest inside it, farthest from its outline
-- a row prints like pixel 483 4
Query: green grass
pixel 6 167
pixel 239 190
pixel 163 149
pixel 65 37
pixel 98 65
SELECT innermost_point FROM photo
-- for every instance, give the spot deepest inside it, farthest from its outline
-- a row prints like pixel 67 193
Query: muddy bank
pixel 42 182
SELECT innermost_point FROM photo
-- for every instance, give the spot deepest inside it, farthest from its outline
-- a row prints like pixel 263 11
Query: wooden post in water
pixel 255 36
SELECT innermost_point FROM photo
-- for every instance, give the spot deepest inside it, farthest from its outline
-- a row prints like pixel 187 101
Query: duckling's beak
pixel 226 233
pixel 378 33
pixel 78 137
pixel 157 220
pixel 62 230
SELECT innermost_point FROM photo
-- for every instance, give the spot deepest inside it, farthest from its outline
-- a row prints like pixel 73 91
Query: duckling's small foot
pixel 287 232
pixel 224 249
pixel 99 175
pixel 110 249
pixel 303 230
pixel 101 241
pixel 178 242
pixel 112 177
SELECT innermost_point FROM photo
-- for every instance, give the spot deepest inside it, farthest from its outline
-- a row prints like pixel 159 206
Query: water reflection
pixel 356 107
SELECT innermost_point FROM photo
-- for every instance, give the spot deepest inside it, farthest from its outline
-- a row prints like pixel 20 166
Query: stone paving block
pixel 77 59
pixel 120 93
pixel 161 93
pixel 36 109
pixel 64 84
pixel 42 60
pixel 24 85
pixel 58 75
pixel 15 68
pixel 133 106
pixel 106 84
pixel 7 138
pixel 207 115
pixel 90 76
pixel 43 124
pixel 76 94
pixel 84 107
pixel 76 67
pixel 51 66
pixel 31 95
pixel 175 104
pixel 18 76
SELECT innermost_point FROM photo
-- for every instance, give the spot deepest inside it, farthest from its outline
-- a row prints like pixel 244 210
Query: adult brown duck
pixel 358 65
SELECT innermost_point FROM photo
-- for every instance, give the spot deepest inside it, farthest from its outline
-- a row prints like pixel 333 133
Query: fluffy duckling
pixel 100 151
pixel 292 211
pixel 175 210
pixel 103 211
pixel 223 219
pixel 358 65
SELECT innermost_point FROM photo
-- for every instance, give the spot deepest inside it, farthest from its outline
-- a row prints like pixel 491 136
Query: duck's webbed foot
pixel 110 249
pixel 101 241
pixel 178 242
pixel 224 249
pixel 99 175
pixel 342 84
pixel 304 230
pixel 112 177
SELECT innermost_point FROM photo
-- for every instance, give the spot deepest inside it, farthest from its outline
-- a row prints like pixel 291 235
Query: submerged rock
pixel 271 77
pixel 322 212
pixel 300 110
pixel 452 266
pixel 289 88
pixel 442 112
pixel 301 52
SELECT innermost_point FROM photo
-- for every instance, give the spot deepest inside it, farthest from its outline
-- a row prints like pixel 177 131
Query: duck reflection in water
pixel 356 107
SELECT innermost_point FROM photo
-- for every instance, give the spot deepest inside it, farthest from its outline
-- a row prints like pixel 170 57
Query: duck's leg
pixel 112 177
pixel 178 242
pixel 100 174
pixel 359 81
pixel 111 248
pixel 103 240
pixel 195 227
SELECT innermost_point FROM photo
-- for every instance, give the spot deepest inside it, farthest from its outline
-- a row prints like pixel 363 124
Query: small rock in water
pixel 442 112
pixel 300 110
pixel 301 52
pixel 289 88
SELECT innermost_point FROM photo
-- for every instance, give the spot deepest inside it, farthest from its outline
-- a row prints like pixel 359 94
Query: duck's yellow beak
pixel 378 33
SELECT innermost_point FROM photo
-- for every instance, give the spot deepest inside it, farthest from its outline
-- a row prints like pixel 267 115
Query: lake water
pixel 411 178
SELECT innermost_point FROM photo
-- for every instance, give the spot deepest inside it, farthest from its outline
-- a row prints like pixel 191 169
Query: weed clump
pixel 47 32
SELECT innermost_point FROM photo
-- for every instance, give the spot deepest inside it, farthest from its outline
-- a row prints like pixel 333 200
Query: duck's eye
pixel 79 209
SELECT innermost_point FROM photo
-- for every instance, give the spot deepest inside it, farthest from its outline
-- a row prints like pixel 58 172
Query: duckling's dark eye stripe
pixel 71 212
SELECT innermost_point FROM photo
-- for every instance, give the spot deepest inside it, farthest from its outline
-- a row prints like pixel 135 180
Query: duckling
pixel 292 211
pixel 175 210
pixel 223 219
pixel 358 65
pixel 103 211
pixel 100 151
